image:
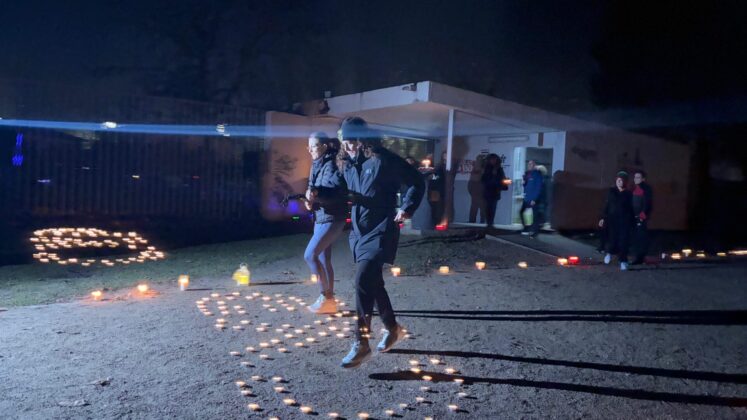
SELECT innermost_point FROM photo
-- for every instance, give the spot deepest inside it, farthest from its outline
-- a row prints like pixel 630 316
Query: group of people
pixel 491 180
pixel 625 218
pixel 355 168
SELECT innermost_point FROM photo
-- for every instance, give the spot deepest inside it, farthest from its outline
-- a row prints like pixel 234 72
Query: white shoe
pixel 623 266
pixel 359 353
pixel 526 233
pixel 323 306
pixel 607 258
pixel 390 338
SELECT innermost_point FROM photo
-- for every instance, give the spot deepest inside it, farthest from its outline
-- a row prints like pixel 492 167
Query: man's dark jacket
pixel 373 183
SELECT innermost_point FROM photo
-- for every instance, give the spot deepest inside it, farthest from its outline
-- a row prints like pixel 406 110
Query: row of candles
pixel 306 409
pixel 444 269
pixel 144 288
pixel 687 252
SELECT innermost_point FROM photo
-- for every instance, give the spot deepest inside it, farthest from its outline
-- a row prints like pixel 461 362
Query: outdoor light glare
pixel 96 294
pixel 522 264
pixel 480 265
pixel 396 271
pixel 142 288
pixel 444 269
pixel 562 261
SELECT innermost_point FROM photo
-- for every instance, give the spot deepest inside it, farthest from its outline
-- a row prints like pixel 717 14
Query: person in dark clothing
pixel 476 190
pixel 533 181
pixel 374 175
pixel 493 182
pixel 643 203
pixel 326 195
pixel 617 216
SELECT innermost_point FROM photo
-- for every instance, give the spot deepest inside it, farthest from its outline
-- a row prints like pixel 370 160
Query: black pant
pixel 490 204
pixel 640 241
pixel 369 289
pixel 618 240
pixel 536 216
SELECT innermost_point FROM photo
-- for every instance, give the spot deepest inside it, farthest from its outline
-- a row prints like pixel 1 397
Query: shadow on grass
pixel 706 317
pixel 637 394
pixel 736 378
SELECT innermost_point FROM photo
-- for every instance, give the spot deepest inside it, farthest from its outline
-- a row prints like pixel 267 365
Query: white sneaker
pixel 623 266
pixel 607 258
pixel 323 306
pixel 526 233
pixel 359 353
pixel 390 338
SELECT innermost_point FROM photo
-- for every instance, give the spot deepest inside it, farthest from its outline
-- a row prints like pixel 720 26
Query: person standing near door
pixel 533 184
pixel 643 203
pixel 492 181
pixel 374 176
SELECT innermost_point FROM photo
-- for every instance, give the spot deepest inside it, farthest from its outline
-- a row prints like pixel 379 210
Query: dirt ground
pixel 541 342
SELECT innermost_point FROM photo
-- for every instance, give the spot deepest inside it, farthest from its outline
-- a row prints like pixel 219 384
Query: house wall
pixel 288 161
pixel 593 158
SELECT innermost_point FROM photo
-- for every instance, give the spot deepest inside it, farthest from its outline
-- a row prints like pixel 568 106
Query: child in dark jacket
pixel 617 218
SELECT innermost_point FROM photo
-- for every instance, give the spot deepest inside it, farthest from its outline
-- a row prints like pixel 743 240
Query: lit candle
pixel 444 269
pixel 263 356
pixel 522 264
pixel 279 389
pixel 277 378
pixel 314 278
pixel 396 271
pixel 310 339
pixel 289 401
pixel 425 388
pixel 257 378
pixel 389 413
pixel 480 265
pixel 427 378
pixel 462 395
pixel 245 321
pixel 435 361
pixel 283 350
pixel 459 381
pixel 415 370
pixel 419 399
pixel 453 407
pixel 96 294
pixel 237 327
pixel 184 283
pixel 333 415
pixel 235 353
pixel 247 392
pixel 686 252
pixel 241 384
pixel 414 362
pixel 363 415
pixel 251 349
pixel 305 409
pixel 253 406
pixel 142 288
pixel 450 371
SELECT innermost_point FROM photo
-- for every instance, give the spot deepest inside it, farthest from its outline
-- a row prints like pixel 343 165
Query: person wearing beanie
pixel 617 217
pixel 643 203
pixel 374 175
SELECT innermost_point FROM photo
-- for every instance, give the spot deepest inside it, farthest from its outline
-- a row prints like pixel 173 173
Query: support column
pixel 449 181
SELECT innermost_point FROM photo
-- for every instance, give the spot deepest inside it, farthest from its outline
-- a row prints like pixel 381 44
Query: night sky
pixel 568 56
